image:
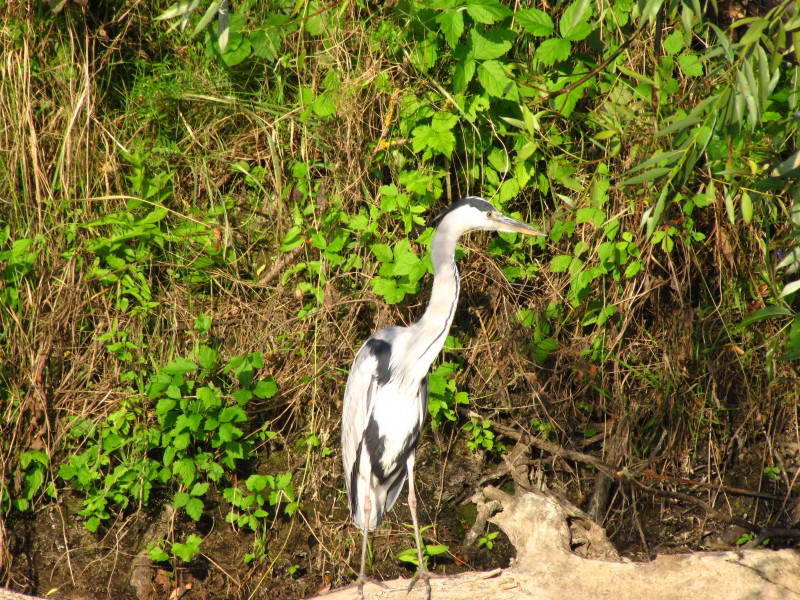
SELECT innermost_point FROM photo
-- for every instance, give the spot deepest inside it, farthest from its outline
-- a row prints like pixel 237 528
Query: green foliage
pixel 16 264
pixel 264 491
pixel 481 436
pixel 487 541
pixel 443 399
pixel 34 467
pixel 198 436
pixel 429 551
pixel 187 550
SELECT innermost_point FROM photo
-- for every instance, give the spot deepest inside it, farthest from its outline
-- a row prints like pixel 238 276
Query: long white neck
pixel 431 330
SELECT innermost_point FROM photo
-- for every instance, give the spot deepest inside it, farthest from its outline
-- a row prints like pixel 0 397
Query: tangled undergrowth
pixel 201 225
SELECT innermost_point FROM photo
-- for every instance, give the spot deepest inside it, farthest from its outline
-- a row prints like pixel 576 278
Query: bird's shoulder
pixel 380 351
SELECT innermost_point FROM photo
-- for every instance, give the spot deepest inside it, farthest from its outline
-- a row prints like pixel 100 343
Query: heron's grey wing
pixel 397 484
pixel 358 399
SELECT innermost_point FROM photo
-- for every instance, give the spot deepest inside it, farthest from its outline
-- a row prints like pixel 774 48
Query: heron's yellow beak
pixel 512 225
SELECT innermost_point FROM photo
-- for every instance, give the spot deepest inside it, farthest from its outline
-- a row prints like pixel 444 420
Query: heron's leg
pixel 361 577
pixel 422 570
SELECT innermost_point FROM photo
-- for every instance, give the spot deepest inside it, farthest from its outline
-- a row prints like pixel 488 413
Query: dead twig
pixel 626 475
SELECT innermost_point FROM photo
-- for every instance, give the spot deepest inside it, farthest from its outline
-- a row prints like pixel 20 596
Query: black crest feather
pixel 473 201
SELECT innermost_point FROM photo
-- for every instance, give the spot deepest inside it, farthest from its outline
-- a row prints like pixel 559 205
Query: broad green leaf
pixel 444 121
pixel 493 78
pixel 179 366
pixel 154 216
pixel 673 42
pixel 387 289
pixel 588 214
pixel 581 31
pixel 492 44
pixel 435 550
pixel 690 65
pixel 553 50
pixel 536 22
pixel 487 12
pixel 207 357
pixel 576 13
pixel 426 137
pixel 324 105
pixel 382 252
pixel 194 508
pixel 451 24
pixel 199 489
pixel 559 264
pixel 463 74
pixel 679 125
pixel 633 269
pixel 266 388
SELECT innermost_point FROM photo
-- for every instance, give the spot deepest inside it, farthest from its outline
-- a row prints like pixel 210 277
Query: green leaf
pixel 536 22
pixel 747 207
pixel 633 269
pixel 189 549
pixel 207 357
pixel 157 554
pixel 179 366
pixel 690 65
pixel 180 499
pixel 324 105
pixel 768 312
pixel 487 12
pixel 493 78
pixel 673 43
pixel 242 396
pixel 266 388
pixel 435 550
pixel 408 555
pixel 754 32
pixel 553 50
pixel 209 396
pixel 387 288
pixel 154 216
pixel 383 252
pixel 649 175
pixel 451 24
pixel 426 137
pixel 444 121
pixel 194 508
pixel 492 44
pixel 790 288
pixel 572 22
pixel 199 489
pixel 463 74
pixel 590 215
pixel 559 264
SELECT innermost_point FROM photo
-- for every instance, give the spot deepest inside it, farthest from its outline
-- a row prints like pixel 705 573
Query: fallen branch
pixel 546 568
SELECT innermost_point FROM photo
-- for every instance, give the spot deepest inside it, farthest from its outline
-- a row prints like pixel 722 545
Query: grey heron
pixel 386 397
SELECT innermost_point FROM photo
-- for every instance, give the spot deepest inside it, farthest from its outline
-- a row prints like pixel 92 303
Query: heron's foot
pixel 425 575
pixel 362 579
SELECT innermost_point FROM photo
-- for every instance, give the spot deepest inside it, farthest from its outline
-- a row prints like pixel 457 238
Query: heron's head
pixel 476 213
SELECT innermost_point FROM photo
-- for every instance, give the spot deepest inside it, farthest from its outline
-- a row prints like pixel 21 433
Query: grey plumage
pixel 385 401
